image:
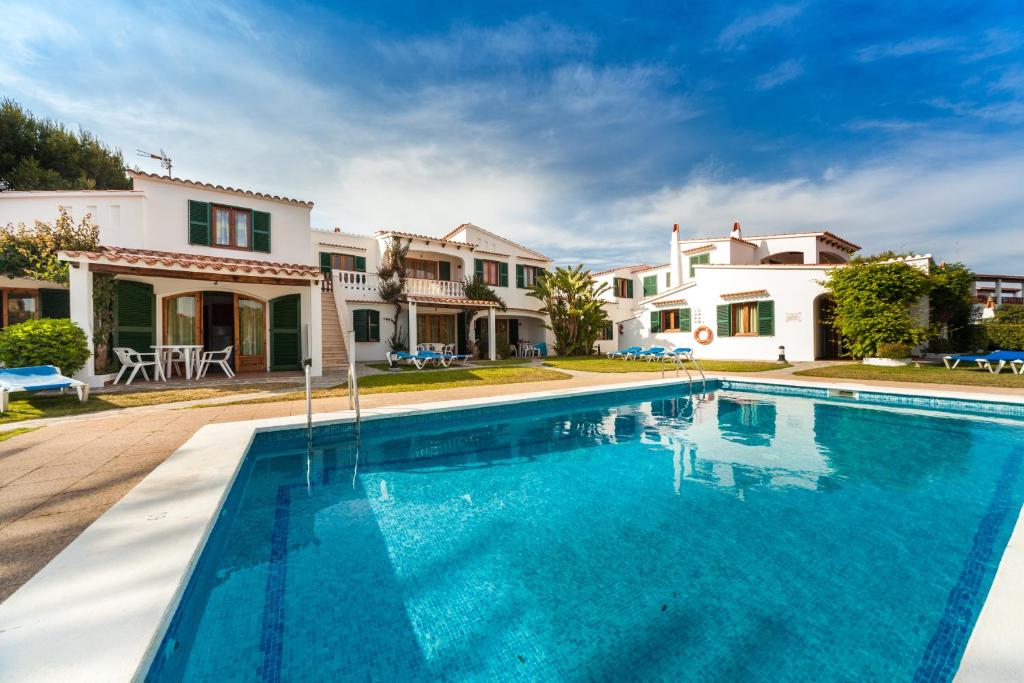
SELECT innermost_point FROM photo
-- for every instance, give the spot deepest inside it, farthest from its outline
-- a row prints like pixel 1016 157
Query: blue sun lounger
pixel 993 362
pixel 37 378
pixel 653 351
pixel 625 353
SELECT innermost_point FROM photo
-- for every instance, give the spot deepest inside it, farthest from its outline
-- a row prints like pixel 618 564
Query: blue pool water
pixel 645 535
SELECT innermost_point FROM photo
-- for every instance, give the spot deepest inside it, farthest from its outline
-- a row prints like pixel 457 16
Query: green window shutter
pixel 198 222
pixel 520 276
pixel 698 260
pixel 766 318
pixel 444 270
pixel 629 288
pixel 261 232
pixel 373 325
pixel 54 303
pixel 478 269
pixel 502 274
pixel 285 333
pixel 655 321
pixel 668 280
pixel 685 320
pixel 360 264
pixel 724 321
pixel 135 322
pixel 650 285
pixel 361 324
pixel 325 263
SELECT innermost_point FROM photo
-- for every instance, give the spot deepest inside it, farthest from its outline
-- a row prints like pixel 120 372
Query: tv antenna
pixel 165 161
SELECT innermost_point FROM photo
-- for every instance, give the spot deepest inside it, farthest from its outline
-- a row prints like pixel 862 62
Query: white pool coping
pixel 99 610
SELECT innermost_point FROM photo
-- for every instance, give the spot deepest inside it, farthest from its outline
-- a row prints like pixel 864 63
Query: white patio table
pixel 190 352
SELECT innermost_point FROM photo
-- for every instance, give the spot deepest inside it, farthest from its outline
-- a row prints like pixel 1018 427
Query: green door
pixel 135 326
pixel 285 334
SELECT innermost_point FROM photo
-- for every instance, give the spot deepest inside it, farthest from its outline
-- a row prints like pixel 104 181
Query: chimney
pixel 675 257
pixel 737 233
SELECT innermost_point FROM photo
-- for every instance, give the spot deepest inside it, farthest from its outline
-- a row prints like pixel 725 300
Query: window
pixel 623 288
pixel 650 285
pixel 435 329
pixel 343 261
pixel 491 272
pixel 494 273
pixel 21 306
pixel 231 227
pixel 607 332
pixel 698 260
pixel 671 320
pixel 526 276
pixel 366 324
pixel 423 270
pixel 668 280
pixel 744 319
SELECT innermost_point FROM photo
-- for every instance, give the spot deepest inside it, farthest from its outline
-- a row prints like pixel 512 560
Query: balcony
pixel 451 289
pixel 351 284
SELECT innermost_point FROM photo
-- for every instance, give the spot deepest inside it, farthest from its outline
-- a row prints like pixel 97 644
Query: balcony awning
pixel 192 266
pixel 450 301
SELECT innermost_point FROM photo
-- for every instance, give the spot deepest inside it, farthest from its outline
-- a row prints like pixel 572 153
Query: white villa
pixel 197 263
pixel 733 296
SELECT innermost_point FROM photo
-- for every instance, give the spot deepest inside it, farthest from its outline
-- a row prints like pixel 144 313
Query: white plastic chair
pixel 215 358
pixel 136 361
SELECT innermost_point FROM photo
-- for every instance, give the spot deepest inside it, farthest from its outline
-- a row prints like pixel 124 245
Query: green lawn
pixel 424 380
pixel 29 406
pixel 11 433
pixel 473 364
pixel 603 364
pixel 927 374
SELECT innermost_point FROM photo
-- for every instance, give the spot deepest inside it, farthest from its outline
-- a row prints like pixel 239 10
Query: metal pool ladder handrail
pixel 353 382
pixel 679 360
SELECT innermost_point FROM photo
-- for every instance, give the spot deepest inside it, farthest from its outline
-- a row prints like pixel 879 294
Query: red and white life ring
pixel 703 335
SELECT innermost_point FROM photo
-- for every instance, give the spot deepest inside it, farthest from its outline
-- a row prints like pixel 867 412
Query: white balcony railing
pixel 351 284
pixel 442 288
pixel 355 285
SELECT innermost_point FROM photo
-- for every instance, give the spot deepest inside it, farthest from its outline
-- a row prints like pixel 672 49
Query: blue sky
pixel 584 131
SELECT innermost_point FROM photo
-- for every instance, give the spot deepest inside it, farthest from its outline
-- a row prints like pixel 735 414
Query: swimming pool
pixel 624 535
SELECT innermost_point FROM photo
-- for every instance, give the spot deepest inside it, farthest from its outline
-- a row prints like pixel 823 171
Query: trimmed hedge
pixel 1008 337
pixel 50 341
pixel 892 351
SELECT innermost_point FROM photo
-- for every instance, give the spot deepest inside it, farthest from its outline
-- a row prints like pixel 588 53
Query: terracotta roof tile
pixel 220 188
pixel 640 269
pixel 669 301
pixel 747 294
pixel 428 238
pixel 421 299
pixel 175 260
pixel 697 250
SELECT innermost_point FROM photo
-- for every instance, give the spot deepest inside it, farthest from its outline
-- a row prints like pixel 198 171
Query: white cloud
pixel 733 35
pixel 962 209
pixel 507 43
pixel 906 48
pixel 782 73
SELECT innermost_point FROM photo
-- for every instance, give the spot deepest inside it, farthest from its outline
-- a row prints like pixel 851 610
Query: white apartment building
pixel 197 263
pixel 731 297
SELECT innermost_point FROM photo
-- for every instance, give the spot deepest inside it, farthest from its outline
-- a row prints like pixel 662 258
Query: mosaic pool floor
pixel 734 536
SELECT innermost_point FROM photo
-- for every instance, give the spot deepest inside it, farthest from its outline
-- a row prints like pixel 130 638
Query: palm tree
pixel 571 299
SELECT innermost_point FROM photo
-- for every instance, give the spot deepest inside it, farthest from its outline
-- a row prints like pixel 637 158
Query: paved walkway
pixel 56 481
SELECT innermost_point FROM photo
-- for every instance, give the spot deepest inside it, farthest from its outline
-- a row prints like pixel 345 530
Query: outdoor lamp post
pixel 782 353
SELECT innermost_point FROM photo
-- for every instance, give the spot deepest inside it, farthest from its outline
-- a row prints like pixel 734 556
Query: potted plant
pixel 891 355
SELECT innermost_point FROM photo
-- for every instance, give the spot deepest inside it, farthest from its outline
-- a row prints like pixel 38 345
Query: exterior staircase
pixel 335 355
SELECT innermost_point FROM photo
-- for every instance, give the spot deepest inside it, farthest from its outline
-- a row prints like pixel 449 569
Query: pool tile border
pixel 109 597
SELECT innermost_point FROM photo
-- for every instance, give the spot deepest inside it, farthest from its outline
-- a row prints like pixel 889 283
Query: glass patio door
pixel 250 335
pixel 182 322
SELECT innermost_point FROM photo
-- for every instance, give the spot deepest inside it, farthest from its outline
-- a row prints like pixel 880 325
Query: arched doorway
pixel 826 340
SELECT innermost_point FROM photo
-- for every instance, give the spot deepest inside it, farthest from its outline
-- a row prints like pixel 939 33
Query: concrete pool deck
pixel 65 476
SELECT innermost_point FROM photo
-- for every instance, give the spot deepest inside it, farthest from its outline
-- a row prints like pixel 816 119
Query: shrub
pixel 1010 313
pixel 873 305
pixel 56 341
pixel 1006 337
pixel 892 351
